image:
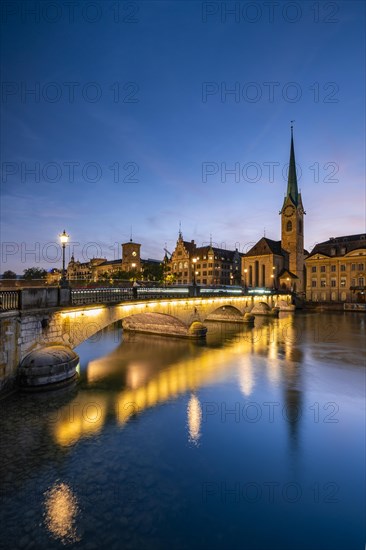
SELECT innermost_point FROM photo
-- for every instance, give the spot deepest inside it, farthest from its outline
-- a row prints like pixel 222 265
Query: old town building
pixel 336 270
pixel 205 265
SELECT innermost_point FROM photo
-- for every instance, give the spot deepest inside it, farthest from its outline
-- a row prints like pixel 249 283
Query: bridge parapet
pixel 53 297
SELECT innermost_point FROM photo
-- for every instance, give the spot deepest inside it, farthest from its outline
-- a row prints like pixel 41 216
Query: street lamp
pixel 194 260
pixel 273 276
pixel 245 278
pixel 288 283
pixel 64 237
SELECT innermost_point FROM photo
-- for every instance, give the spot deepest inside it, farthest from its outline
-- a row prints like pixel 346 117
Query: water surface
pixel 253 439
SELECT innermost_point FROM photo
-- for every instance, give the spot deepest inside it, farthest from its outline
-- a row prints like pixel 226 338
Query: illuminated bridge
pixel 36 318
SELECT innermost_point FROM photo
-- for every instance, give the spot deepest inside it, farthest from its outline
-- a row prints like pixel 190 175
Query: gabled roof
pixel 190 246
pixel 287 273
pixel 266 246
pixel 339 246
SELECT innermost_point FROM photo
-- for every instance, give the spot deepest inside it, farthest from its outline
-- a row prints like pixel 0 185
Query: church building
pixel 280 264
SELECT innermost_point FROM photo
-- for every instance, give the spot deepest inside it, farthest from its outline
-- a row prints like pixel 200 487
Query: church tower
pixel 292 224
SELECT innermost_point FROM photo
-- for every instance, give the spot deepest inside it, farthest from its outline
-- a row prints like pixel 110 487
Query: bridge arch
pixel 226 313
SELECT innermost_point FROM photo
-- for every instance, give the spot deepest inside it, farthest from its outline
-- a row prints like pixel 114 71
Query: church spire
pixel 292 190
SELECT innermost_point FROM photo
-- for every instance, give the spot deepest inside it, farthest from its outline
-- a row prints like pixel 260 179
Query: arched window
pixel 256 273
pixel 289 226
pixel 263 275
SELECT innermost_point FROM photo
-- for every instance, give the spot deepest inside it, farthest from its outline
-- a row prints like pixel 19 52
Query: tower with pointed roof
pixel 292 224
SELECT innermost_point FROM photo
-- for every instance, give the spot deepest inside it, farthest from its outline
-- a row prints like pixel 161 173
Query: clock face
pixel 289 210
pixel 133 253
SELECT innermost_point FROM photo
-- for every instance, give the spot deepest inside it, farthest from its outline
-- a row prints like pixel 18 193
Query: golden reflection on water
pixel 154 370
pixel 84 416
pixel 61 509
pixel 194 414
pixel 246 379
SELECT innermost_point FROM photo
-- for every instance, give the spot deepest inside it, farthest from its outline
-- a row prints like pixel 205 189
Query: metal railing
pixel 9 300
pixel 81 296
pixel 18 299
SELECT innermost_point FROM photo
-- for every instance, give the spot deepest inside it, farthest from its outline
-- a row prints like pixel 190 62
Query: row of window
pixel 333 283
pixel 323 296
pixel 180 253
pixel 333 268
pixel 184 265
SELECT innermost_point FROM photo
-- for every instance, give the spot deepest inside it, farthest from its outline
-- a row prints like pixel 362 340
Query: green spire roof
pixel 292 190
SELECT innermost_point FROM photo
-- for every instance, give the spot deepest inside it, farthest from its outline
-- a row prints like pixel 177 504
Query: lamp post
pixel 194 271
pixel 245 279
pixel 288 283
pixel 64 237
pixel 273 277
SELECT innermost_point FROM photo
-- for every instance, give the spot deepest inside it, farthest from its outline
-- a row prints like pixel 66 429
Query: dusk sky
pixel 131 123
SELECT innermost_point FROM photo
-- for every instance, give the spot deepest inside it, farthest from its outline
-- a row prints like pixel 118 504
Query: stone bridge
pixel 43 317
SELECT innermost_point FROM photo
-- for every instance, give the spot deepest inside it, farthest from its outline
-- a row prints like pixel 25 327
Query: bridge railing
pixel 100 295
pixel 9 300
pixel 144 293
pixel 55 297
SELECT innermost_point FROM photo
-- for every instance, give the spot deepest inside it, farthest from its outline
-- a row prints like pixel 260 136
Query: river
pixel 252 439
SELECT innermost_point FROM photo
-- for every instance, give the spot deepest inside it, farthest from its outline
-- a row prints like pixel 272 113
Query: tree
pixel 170 278
pixel 9 274
pixel 119 275
pixel 35 273
pixel 153 272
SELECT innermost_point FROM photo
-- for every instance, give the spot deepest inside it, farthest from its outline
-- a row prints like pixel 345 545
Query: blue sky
pixel 130 124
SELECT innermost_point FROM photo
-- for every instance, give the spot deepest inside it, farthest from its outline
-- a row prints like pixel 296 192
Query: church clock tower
pixel 292 225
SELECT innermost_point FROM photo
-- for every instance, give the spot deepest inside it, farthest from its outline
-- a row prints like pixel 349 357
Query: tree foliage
pixel 9 274
pixel 35 273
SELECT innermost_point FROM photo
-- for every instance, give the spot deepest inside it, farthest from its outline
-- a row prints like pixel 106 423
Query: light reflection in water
pixel 194 413
pixel 84 416
pixel 61 509
pixel 159 370
pixel 246 380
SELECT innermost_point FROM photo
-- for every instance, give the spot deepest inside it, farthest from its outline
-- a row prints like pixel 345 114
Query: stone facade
pixel 131 259
pixel 263 264
pixel 336 270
